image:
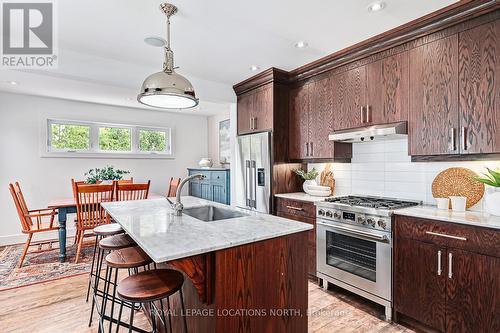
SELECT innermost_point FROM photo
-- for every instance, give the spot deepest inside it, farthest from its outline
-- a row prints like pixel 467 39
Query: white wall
pixel 384 168
pixel 213 135
pixel 44 179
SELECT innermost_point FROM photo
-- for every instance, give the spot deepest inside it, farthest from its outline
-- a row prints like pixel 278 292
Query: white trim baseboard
pixel 21 238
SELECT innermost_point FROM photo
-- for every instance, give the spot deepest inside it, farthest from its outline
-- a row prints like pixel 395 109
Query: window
pixel 151 140
pixel 69 136
pixel 79 138
pixel 115 139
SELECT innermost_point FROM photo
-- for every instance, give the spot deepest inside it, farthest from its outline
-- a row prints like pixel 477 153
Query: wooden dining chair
pixel 172 187
pixel 32 222
pixel 89 212
pixel 137 191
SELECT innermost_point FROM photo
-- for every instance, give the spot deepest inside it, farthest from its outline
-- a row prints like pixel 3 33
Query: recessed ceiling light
pixel 254 68
pixel 14 83
pixel 301 44
pixel 376 6
pixel 155 41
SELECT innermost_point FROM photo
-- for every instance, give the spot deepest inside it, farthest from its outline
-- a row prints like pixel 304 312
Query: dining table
pixel 65 206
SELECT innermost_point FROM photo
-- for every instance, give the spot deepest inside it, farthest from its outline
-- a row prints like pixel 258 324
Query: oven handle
pixel 358 233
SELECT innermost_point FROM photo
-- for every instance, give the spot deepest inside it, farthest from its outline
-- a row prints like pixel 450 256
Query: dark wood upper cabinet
pixel 298 145
pixel 255 110
pixel 387 89
pixel 420 289
pixel 349 97
pixel 321 119
pixel 433 117
pixel 479 63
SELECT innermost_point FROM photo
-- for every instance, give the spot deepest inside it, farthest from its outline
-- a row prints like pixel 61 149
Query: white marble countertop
pixel 478 219
pixel 164 236
pixel 302 196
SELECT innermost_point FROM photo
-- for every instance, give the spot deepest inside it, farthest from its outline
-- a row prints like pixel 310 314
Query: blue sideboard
pixel 215 186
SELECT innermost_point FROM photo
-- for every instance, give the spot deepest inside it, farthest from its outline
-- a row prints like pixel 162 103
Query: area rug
pixel 40 267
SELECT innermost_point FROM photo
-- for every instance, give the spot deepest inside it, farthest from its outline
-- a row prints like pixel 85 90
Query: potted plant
pixel 104 175
pixel 309 177
pixel 492 196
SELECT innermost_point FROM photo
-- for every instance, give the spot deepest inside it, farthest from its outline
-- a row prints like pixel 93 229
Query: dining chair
pixel 172 187
pixel 126 192
pixel 89 212
pixel 32 222
pixel 126 181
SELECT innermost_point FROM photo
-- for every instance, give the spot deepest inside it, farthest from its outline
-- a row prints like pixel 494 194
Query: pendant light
pixel 167 89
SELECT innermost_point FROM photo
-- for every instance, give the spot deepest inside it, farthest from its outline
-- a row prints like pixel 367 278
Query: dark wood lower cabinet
pixel 440 282
pixel 304 212
pixel 419 288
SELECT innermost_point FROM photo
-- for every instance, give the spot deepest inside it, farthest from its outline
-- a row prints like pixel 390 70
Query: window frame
pixel 94 151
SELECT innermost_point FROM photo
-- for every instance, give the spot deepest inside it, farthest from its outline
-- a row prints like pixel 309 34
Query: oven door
pixel 356 256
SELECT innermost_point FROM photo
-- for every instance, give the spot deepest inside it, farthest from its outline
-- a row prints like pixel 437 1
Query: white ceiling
pixel 103 59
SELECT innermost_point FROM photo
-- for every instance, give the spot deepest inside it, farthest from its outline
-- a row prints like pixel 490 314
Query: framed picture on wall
pixel 224 146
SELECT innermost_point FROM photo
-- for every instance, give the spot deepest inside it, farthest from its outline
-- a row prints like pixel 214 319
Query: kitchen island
pixel 247 273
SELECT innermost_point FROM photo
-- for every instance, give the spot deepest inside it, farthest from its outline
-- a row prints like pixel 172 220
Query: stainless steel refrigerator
pixel 253 172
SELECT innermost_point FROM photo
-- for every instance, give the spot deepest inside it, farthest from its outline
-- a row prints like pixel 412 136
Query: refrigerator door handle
pixel 254 183
pixel 247 183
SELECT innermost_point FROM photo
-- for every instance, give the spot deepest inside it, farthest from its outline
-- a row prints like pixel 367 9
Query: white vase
pixel 492 201
pixel 307 183
pixel 205 162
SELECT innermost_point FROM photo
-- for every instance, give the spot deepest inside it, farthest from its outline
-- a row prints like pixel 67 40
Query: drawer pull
pixel 439 263
pixel 295 208
pixel 445 235
pixel 450 265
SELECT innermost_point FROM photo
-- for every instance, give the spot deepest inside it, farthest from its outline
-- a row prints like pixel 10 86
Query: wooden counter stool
pixel 100 232
pixel 131 258
pixel 107 244
pixel 146 288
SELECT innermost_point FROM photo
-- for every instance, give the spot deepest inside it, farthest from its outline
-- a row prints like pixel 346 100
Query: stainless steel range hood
pixel 371 133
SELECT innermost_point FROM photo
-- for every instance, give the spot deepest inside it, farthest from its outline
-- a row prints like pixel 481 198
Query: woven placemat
pixel 458 182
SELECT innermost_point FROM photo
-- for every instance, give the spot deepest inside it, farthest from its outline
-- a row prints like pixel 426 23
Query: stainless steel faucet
pixel 177 206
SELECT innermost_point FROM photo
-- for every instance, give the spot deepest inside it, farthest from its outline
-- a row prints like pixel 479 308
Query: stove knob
pixel 370 222
pixel 361 219
pixel 382 224
pixel 328 214
pixel 321 212
pixel 336 215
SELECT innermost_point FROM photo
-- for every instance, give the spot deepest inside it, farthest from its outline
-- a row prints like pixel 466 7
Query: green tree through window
pixel 114 139
pixel 150 140
pixel 75 137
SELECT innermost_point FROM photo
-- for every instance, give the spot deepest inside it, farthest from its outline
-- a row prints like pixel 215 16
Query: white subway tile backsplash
pixel 384 168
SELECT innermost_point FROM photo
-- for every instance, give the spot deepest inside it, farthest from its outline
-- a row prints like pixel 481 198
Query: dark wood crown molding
pixel 269 75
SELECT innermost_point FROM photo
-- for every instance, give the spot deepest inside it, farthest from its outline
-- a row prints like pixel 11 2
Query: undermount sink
pixel 212 213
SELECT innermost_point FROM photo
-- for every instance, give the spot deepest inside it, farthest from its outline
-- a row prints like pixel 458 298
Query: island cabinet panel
pixel 447 276
pixel 304 212
pixel 298 145
pixel 479 64
pixel 388 90
pixel 349 98
pixel 255 110
pixel 433 118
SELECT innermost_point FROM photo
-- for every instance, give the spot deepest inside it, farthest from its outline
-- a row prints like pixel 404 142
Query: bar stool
pixel 100 232
pixel 111 243
pixel 146 288
pixel 131 258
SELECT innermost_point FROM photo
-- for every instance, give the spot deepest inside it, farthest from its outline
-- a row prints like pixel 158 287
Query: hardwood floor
pixel 59 306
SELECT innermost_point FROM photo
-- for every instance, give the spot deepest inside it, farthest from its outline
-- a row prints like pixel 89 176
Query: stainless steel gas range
pixel 354 245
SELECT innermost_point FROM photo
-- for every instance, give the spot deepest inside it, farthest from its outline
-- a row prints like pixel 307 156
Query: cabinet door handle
pixel 450 265
pixel 362 114
pixel 295 208
pixel 368 113
pixel 445 235
pixel 307 148
pixel 453 139
pixel 464 138
pixel 439 263
pixel 251 123
pixel 254 123
pixel 312 149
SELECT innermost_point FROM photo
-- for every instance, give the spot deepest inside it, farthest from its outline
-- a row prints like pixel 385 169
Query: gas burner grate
pixel 372 202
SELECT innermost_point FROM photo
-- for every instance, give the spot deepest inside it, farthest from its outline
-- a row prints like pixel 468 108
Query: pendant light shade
pixel 167 89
